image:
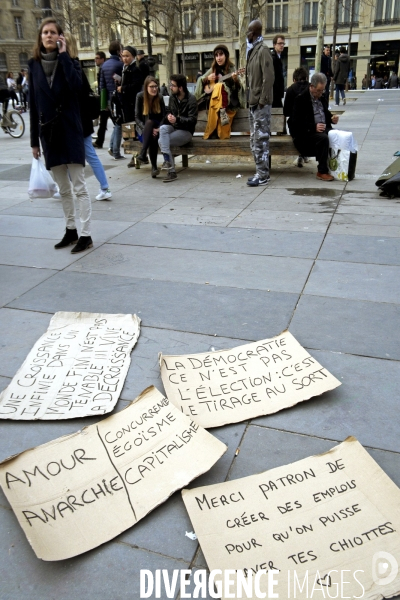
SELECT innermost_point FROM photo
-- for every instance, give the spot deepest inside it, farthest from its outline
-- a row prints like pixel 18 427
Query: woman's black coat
pixel 131 85
pixel 67 147
pixel 142 119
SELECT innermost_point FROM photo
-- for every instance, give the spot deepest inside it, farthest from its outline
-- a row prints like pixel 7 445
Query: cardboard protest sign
pixel 328 524
pixel 76 369
pixel 79 491
pixel 234 385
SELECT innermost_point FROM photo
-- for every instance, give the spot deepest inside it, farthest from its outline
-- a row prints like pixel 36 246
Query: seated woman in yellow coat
pixel 223 87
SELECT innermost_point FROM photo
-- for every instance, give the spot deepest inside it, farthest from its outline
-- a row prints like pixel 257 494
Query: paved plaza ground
pixel 209 263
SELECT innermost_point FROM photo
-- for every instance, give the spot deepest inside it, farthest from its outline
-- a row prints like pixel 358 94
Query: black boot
pixel 83 244
pixel 70 237
pixel 141 157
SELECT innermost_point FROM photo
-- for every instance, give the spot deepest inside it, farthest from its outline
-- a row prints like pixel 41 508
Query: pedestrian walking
pixel 260 82
pixel 55 82
pixel 340 74
pixel 326 69
pixel 111 71
pixel 12 86
pixel 100 59
pixel 393 81
pixel 87 125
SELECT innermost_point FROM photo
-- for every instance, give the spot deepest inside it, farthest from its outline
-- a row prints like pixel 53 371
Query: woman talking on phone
pixel 55 81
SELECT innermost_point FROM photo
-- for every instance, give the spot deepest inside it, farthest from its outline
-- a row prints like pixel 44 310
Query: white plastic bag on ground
pixel 41 183
pixel 342 146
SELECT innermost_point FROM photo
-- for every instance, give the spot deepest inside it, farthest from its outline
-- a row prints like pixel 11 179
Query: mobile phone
pixel 58 44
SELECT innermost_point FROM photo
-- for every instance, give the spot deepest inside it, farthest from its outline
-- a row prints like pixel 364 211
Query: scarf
pixel 251 46
pixel 49 63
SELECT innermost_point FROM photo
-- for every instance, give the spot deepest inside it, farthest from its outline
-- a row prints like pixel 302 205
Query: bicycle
pixel 12 123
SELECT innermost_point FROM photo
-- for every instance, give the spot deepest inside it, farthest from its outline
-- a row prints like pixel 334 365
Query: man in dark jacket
pixel 279 83
pixel 326 69
pixel 311 123
pixel 110 73
pixel 179 123
pixel 142 64
pixel 340 74
pixel 100 59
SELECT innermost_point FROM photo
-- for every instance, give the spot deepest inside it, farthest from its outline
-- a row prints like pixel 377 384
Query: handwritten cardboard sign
pixel 77 368
pixel 245 382
pixel 329 522
pixel 79 491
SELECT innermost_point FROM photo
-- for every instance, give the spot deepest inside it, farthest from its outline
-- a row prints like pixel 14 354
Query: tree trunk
pixel 350 34
pixel 170 47
pixel 320 35
pixel 244 20
pixel 182 38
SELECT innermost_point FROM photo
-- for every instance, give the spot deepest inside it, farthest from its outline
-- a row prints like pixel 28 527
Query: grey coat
pixel 260 75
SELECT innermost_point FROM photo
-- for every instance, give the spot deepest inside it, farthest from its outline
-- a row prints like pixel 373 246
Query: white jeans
pixel 64 175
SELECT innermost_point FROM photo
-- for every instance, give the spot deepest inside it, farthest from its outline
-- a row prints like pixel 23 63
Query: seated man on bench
pixel 310 123
pixel 179 123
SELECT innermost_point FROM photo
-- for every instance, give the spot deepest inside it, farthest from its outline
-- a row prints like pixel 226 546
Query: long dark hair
pixel 37 49
pixel 226 67
pixel 151 104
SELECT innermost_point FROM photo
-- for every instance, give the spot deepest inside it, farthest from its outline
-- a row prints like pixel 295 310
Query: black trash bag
pixel 389 181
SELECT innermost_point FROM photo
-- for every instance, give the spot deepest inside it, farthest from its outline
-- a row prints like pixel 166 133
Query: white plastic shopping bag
pixel 41 183
pixel 342 154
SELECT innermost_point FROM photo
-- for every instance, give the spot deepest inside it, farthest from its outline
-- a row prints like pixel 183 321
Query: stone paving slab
pixel 17 280
pixel 50 228
pixel 281 220
pixel 281 274
pixel 244 241
pixel 220 311
pixel 375 283
pixel 31 252
pixel 350 326
pixel 359 249
pixel 368 394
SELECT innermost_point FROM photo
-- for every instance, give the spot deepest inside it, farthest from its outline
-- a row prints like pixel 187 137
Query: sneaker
pixel 336 104
pixel 252 177
pixel 96 145
pixel 344 100
pixel 57 195
pixel 223 116
pixel 110 152
pixel 299 161
pixel 325 176
pixel 166 166
pixel 143 159
pixel 155 172
pixel 131 163
pixel 256 180
pixel 306 159
pixel 104 195
pixel 84 243
pixel 119 157
pixel 171 176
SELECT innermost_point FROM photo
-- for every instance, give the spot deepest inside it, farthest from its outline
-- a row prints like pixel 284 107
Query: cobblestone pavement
pixel 207 262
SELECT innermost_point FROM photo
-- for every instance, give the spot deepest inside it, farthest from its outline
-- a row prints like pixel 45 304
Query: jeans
pixel 95 163
pixel 260 124
pixel 169 136
pixel 339 88
pixel 63 176
pixel 115 141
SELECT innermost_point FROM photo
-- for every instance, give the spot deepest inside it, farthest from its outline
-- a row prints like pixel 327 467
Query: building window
pixel 18 27
pixel 23 60
pixel 387 12
pixel 277 16
pixel 57 5
pixel 3 63
pixel 115 33
pixel 37 3
pixel 38 22
pixel 345 10
pixel 15 2
pixel 310 20
pixel 213 21
pixel 189 16
pixel 84 34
